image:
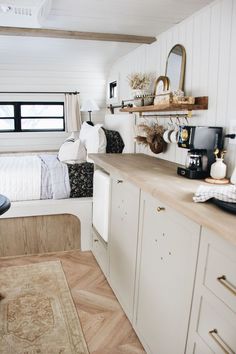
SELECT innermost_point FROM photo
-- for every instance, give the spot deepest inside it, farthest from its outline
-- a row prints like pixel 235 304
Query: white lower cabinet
pixel 213 319
pixel 180 298
pixel 200 347
pixel 123 242
pixel 168 249
pixel 100 251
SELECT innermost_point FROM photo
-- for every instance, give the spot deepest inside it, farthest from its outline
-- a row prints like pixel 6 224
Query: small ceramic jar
pixel 218 169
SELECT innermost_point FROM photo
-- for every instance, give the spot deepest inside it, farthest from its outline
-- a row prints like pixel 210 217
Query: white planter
pixel 218 169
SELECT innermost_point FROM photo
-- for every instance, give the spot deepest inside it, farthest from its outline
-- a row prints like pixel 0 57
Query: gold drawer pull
pixel 160 209
pixel 224 346
pixel 119 181
pixel 95 240
pixel 223 280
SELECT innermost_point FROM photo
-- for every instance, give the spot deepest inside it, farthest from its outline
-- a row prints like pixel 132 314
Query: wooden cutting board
pixel 217 181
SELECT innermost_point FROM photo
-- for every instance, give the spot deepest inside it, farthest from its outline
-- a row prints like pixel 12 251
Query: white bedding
pixel 20 177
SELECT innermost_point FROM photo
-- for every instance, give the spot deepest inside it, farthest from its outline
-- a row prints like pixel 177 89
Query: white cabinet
pixel 200 347
pixel 175 280
pixel 168 249
pixel 100 252
pixel 213 319
pixel 122 241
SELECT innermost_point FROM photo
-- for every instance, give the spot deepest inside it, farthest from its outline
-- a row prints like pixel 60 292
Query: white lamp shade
pixel 89 106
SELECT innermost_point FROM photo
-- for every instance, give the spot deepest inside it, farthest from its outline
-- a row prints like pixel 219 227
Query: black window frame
pixel 17 116
pixel 112 86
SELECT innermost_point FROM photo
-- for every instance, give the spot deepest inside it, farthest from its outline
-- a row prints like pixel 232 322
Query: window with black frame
pixel 31 116
pixel 113 89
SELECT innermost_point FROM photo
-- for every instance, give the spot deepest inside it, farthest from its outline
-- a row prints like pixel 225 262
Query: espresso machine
pixel 201 142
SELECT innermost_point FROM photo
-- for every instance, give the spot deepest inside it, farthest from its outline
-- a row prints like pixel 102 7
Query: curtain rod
pixel 31 92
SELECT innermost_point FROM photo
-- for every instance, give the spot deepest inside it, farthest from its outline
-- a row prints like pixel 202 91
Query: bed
pixel 80 207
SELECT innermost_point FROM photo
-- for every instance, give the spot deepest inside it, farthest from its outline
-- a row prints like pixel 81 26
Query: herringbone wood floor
pixel 105 326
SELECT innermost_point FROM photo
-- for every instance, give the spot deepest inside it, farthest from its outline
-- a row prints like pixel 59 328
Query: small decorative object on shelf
pixel 161 92
pixel 178 97
pixel 153 137
pixel 218 168
pixel 140 85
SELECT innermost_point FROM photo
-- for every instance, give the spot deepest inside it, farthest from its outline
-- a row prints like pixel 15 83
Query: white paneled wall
pixel 209 37
pixel 44 64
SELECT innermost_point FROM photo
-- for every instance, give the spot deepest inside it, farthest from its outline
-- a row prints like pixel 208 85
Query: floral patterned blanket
pixel 60 180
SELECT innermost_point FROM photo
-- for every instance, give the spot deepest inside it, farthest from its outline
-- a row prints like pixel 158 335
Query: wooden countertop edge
pixel 203 214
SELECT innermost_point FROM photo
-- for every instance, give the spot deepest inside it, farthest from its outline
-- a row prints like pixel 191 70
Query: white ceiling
pixel 139 17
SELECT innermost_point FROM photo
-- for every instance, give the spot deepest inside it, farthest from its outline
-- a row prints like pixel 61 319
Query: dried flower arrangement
pixel 139 81
pixel 153 137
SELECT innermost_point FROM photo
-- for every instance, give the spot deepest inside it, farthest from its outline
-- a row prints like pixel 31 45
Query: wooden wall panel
pixel 209 37
pixel 39 234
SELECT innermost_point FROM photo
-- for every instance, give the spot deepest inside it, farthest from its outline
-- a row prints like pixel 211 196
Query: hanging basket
pixel 157 145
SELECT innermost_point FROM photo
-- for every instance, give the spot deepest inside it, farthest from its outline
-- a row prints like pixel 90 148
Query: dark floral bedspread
pixel 115 144
pixel 81 179
pixel 81 175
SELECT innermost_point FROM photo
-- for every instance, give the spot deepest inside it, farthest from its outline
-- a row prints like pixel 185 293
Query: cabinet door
pixel 168 256
pixel 200 347
pixel 123 242
pixel 213 317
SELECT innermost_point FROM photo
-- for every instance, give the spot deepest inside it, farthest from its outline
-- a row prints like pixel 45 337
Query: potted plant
pixel 140 84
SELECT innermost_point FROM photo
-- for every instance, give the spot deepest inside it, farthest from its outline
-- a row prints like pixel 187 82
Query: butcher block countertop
pixel 159 178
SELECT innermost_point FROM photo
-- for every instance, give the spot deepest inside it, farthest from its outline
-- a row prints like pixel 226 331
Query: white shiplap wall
pixel 32 65
pixel 209 37
pixel 45 64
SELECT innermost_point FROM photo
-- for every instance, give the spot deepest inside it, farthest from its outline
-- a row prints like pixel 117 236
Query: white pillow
pixel 72 151
pixel 85 130
pixel 93 138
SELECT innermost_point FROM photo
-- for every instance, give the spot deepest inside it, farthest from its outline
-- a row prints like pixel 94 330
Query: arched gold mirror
pixel 175 67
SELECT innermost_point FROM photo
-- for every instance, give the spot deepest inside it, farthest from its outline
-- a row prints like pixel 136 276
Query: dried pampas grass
pixel 153 137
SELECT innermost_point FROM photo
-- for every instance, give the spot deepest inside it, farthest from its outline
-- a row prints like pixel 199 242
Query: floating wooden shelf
pixel 201 103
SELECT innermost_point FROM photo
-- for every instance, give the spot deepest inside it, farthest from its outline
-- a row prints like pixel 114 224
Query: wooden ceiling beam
pixel 89 36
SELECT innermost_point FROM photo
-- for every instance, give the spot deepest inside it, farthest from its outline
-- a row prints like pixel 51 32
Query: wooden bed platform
pixel 43 234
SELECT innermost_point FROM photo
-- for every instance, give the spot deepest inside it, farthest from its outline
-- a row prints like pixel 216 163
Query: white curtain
pixel 72 112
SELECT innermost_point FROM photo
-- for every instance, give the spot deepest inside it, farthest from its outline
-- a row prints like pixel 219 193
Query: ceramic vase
pixel 218 169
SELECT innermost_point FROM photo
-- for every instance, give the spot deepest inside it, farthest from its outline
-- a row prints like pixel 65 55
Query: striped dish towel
pixel 224 193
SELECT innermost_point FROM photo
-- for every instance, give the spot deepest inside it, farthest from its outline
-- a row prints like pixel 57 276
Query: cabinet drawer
pixel 100 252
pixel 217 327
pixel 220 276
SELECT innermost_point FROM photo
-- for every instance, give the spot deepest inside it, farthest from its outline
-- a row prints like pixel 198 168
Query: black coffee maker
pixel 201 142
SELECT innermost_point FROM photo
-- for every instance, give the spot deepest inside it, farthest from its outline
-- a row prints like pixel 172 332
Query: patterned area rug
pixel 37 313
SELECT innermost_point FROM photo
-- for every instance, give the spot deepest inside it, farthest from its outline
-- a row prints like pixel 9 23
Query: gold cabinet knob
pixel 160 209
pixel 119 181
